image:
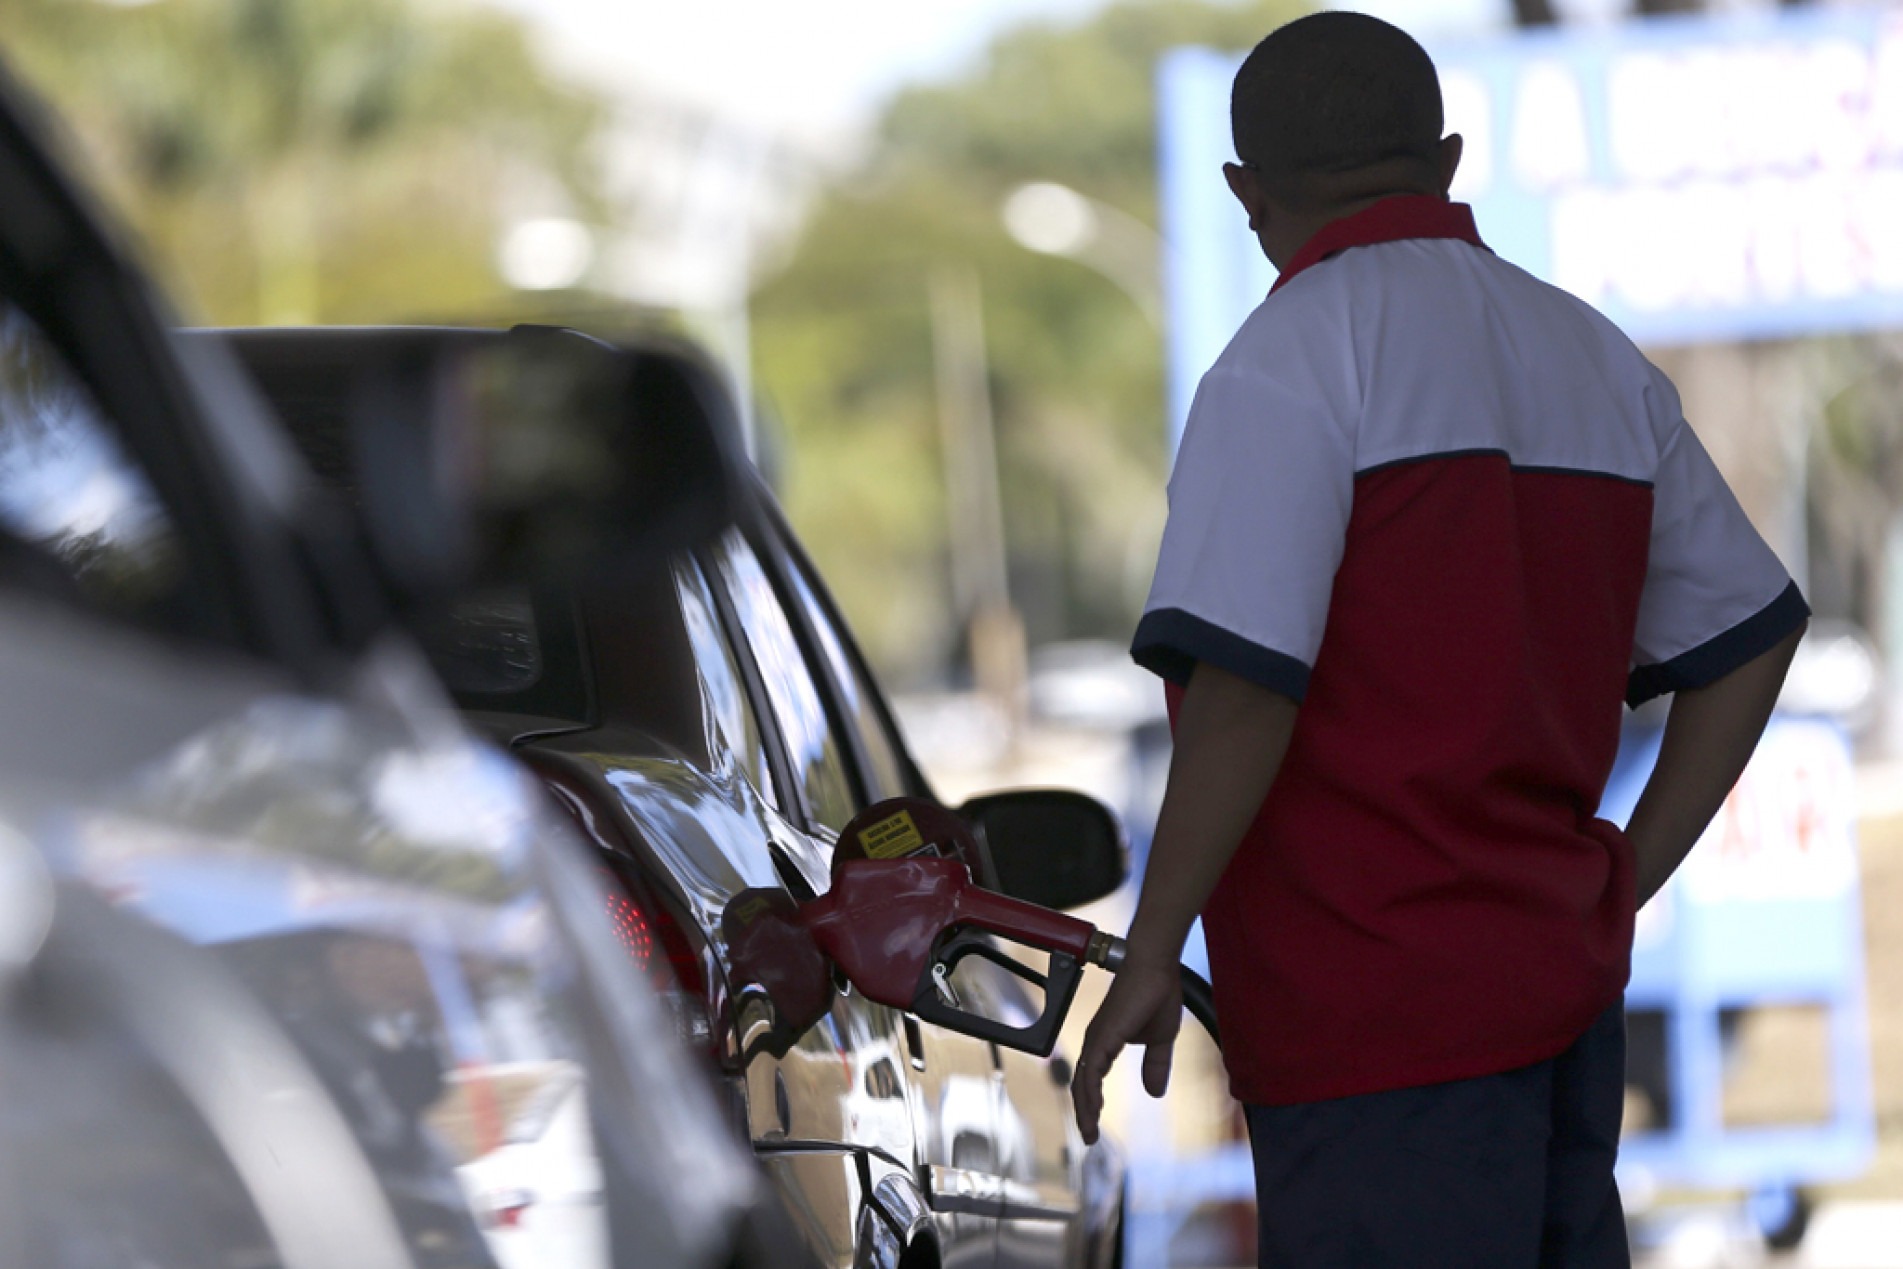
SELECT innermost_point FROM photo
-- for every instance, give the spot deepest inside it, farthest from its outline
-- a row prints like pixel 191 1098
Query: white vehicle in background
pixel 538 1191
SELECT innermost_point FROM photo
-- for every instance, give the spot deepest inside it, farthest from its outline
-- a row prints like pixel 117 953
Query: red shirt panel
pixel 1426 894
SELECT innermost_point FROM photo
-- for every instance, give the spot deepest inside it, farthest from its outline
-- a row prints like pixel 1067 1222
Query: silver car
pixel 294 969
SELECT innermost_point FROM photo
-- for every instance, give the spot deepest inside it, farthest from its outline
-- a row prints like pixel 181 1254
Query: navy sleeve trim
pixel 1169 642
pixel 1719 656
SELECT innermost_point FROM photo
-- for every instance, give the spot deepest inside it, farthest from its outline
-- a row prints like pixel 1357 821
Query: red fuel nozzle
pixel 881 917
pixel 902 913
pixel 769 949
pixel 897 929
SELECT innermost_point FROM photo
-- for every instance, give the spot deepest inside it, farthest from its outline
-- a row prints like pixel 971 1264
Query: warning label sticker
pixel 891 838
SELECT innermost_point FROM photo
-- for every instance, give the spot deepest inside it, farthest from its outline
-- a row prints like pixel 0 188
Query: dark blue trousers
pixel 1508 1171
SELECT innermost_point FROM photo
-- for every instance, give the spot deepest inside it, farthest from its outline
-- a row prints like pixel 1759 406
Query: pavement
pixel 1847 1234
pixel 1879 790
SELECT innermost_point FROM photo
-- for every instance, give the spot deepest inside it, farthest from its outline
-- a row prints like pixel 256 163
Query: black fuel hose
pixel 1108 951
pixel 1201 1002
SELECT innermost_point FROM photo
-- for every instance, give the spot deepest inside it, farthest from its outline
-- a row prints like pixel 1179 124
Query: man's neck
pixel 1291 231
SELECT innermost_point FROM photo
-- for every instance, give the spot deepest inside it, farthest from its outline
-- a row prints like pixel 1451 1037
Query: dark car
pixel 295 968
pixel 708 720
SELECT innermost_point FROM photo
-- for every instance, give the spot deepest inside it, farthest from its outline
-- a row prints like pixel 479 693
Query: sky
pixel 812 69
pixel 814 72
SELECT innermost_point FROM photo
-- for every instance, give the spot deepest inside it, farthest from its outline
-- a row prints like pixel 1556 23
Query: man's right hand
pixel 1145 1006
pixel 1231 734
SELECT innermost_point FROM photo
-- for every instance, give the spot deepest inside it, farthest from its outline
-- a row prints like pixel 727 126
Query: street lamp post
pixel 1056 220
pixel 981 581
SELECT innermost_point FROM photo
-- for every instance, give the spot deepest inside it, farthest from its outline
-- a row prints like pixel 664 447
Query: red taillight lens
pixel 662 951
pixel 631 926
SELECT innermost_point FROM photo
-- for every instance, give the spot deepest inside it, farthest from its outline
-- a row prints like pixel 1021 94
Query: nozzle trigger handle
pixel 936 1003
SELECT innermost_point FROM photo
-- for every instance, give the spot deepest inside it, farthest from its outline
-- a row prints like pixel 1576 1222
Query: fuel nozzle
pixel 905 911
pixel 899 929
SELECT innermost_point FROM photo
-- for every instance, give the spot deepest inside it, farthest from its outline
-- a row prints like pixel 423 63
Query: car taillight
pixel 631 927
pixel 662 951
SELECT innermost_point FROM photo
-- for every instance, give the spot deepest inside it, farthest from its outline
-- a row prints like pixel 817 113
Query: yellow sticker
pixel 890 838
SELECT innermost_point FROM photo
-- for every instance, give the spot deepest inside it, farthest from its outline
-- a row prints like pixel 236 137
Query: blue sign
pixel 1695 179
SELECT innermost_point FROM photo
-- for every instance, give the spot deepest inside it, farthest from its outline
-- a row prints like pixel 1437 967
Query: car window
pixel 721 681
pixel 813 750
pixel 487 644
pixel 510 650
pixel 78 519
pixel 885 774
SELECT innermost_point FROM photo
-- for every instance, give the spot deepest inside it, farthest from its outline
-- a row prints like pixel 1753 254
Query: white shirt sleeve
pixel 1258 512
pixel 1715 594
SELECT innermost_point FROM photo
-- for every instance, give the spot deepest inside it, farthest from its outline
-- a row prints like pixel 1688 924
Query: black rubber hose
pixel 1201 1002
pixel 1198 997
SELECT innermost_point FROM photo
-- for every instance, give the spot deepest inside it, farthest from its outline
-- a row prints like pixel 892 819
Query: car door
pixel 950 1080
pixel 818 1110
pixel 1036 1151
pixel 292 954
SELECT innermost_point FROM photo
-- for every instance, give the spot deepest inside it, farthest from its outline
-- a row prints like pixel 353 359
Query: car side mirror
pixel 1052 847
pixel 489 457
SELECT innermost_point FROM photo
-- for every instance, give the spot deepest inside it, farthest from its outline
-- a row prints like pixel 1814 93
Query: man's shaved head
pixel 1333 94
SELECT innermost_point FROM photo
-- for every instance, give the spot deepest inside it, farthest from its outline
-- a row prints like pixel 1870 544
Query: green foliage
pixel 1076 104
pixel 843 337
pixel 309 160
pixel 1854 473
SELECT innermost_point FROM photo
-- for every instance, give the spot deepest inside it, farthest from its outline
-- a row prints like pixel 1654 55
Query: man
pixel 1431 522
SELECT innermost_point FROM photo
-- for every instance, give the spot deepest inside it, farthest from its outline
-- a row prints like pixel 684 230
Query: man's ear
pixel 1248 192
pixel 1450 150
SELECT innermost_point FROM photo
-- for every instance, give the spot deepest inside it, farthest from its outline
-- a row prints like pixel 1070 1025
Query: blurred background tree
pixel 844 341
pixel 295 161
pixel 360 160
pixel 1854 471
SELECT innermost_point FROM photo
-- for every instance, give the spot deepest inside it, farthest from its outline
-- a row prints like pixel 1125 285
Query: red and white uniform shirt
pixel 1453 512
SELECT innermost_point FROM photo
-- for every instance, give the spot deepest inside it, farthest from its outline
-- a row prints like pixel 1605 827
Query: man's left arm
pixel 1231 734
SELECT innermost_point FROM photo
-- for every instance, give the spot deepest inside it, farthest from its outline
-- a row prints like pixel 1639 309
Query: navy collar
pixel 1390 220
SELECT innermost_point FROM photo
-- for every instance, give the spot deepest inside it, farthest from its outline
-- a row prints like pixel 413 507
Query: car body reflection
pixel 389 893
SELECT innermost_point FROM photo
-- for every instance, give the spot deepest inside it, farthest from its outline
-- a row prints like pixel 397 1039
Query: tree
pixel 306 160
pixel 843 337
pixel 1855 483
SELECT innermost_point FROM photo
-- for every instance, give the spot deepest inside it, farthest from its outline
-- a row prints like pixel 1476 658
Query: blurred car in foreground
pixel 288 956
pixel 707 719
